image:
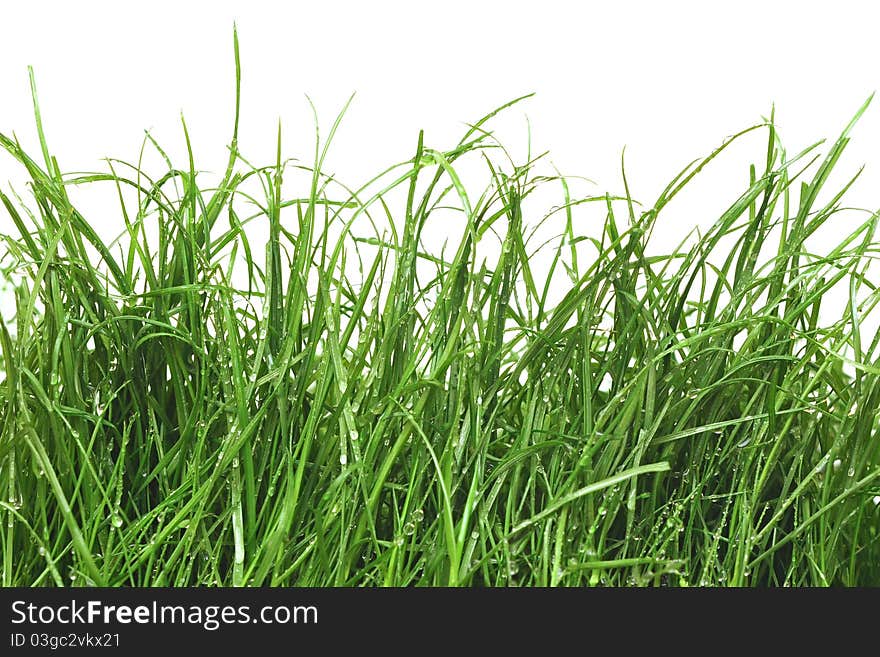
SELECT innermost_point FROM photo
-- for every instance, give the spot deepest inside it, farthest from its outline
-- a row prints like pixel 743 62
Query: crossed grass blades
pixel 181 407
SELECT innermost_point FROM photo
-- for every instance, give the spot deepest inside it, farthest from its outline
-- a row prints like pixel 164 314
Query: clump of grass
pixel 246 387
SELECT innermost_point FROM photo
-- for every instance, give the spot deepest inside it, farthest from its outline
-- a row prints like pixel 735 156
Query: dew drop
pixel 343 459
pixel 876 500
pixel 837 463
pixel 418 515
pixel 409 529
pixel 117 520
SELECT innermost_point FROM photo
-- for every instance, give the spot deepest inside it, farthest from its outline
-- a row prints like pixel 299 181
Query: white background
pixel 668 80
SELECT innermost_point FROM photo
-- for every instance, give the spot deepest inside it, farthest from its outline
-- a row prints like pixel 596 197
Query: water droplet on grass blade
pixel 117 521
pixel 343 459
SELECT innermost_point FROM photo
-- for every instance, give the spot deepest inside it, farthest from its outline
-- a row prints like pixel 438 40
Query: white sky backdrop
pixel 668 80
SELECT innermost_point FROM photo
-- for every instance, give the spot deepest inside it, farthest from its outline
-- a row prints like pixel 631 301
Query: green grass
pixel 257 386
